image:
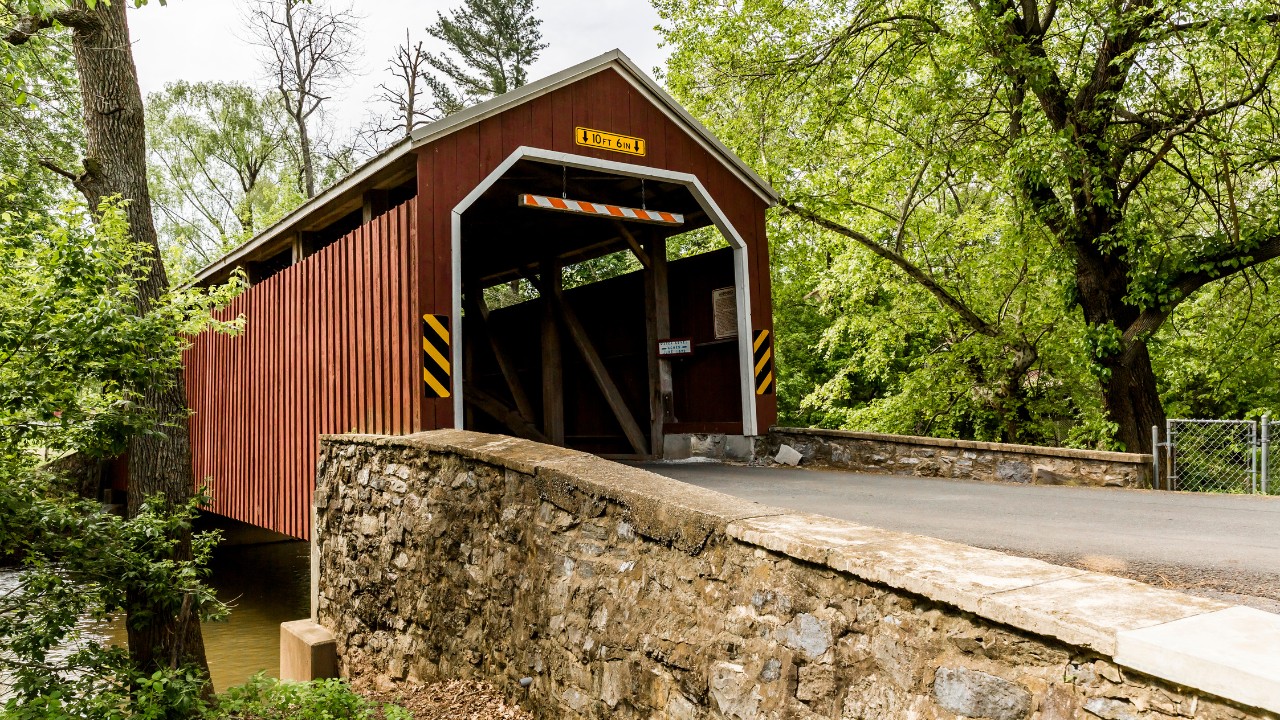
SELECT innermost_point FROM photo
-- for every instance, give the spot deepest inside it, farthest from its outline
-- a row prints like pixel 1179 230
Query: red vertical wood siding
pixel 327 347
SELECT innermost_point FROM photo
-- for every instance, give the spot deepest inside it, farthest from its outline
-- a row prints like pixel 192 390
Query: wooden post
pixel 375 203
pixel 468 360
pixel 552 358
pixel 657 316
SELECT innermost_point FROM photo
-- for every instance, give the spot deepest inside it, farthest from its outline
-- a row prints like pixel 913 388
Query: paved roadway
pixel 1208 544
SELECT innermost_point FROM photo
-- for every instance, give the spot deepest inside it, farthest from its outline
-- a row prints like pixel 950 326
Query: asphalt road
pixel 1208 544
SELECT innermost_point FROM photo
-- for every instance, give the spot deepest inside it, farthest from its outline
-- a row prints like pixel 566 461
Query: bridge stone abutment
pixel 612 592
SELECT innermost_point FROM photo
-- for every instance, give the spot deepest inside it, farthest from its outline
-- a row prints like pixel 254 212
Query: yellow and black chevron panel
pixel 763 347
pixel 435 356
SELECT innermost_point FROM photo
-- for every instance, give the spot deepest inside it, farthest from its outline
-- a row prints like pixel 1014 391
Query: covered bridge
pixel 578 261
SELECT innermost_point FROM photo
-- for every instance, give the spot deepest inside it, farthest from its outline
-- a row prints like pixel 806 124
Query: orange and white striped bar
pixel 656 217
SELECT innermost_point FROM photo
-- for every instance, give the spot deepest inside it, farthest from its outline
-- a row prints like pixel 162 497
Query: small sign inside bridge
pixel 675 347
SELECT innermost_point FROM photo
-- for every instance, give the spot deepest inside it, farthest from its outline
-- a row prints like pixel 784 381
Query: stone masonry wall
pixel 615 593
pixel 962 459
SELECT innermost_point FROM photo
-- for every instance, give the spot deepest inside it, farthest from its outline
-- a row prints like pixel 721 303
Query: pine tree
pixel 491 44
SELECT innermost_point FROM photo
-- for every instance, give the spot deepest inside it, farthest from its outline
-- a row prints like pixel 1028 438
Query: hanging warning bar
pixel 616 212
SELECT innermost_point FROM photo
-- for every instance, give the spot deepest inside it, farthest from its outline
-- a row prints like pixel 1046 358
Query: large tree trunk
pixel 1132 399
pixel 115 164
pixel 1129 393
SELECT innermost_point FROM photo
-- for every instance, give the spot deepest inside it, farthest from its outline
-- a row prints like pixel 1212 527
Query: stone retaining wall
pixel 588 589
pixel 961 459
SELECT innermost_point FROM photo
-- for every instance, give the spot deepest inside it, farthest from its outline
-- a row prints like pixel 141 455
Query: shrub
pixel 264 698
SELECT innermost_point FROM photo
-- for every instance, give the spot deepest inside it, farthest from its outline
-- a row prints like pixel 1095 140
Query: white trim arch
pixel 705 201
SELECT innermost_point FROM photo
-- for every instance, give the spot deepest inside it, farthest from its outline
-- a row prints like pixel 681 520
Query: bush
pixel 264 698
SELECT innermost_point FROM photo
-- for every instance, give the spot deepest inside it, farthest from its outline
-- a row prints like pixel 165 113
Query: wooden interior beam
pixel 552 359
pixel 634 244
pixel 599 373
pixel 374 202
pixel 496 409
pixel 475 299
pixel 657 306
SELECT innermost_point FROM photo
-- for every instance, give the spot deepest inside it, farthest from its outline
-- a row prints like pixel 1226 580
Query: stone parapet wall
pixel 960 459
pixel 587 589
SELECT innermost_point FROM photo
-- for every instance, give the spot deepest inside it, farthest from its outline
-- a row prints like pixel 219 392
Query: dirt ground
pixel 452 700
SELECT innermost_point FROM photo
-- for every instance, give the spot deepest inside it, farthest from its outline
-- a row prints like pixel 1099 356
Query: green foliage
pixel 490 46
pixel 81 564
pixel 220 169
pixel 1008 214
pixel 1219 357
pixel 264 698
pixel 73 351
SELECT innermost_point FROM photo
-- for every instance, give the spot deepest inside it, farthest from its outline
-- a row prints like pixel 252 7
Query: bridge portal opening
pixel 598 331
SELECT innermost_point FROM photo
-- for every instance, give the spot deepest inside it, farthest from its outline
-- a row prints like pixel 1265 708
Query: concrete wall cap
pixel 1231 653
pixel 1103 455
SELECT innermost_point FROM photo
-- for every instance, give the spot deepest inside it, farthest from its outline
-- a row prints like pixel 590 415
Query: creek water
pixel 264 583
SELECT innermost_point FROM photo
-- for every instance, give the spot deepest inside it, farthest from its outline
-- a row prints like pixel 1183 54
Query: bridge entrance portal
pixel 586 317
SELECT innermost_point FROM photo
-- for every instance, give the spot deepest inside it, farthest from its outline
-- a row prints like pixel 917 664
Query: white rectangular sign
pixel 675 347
pixel 724 306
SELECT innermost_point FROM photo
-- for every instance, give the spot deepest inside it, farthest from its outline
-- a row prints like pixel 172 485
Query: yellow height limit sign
pixel 609 141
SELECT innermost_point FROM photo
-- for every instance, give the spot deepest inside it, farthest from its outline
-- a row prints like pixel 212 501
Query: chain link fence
pixel 1216 456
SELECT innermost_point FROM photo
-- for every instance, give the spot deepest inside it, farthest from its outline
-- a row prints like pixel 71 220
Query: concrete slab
pixel 944 571
pixel 1230 653
pixel 308 651
pixel 1089 609
pixel 805 536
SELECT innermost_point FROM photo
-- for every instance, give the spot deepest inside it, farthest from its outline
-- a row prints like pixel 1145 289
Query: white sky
pixel 198 40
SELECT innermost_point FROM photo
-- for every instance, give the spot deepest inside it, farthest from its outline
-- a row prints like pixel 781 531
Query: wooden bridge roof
pixel 396 165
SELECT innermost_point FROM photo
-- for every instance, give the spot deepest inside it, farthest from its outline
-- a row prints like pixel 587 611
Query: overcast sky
pixel 199 40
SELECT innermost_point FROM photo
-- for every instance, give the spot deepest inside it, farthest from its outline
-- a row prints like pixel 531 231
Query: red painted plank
pixel 395 292
pixel 376 338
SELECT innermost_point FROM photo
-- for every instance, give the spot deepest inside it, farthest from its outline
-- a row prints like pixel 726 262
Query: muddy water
pixel 265 584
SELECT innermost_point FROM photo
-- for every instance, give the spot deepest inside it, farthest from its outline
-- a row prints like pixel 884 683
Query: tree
pixel 114 166
pixel 491 44
pixel 72 348
pixel 308 52
pixel 1127 144
pixel 218 166
pixel 413 97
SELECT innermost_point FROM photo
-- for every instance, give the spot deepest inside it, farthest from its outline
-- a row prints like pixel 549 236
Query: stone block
pixel 308 651
pixel 1044 475
pixel 788 455
pixel 739 447
pixel 1013 471
pixel 979 695
pixel 676 447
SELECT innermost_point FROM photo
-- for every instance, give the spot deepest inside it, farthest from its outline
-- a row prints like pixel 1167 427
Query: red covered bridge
pixel 470 277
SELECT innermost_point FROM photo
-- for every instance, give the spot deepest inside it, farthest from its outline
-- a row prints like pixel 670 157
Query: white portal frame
pixel 704 200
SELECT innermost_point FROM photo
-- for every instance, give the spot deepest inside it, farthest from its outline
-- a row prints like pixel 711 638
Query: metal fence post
pixel 1155 457
pixel 1266 451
